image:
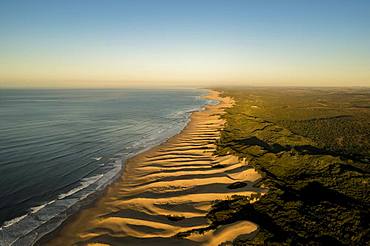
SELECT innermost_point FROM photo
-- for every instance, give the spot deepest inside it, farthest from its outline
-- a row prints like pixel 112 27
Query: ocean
pixel 59 146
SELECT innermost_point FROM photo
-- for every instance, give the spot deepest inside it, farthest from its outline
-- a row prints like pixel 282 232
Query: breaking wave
pixel 40 220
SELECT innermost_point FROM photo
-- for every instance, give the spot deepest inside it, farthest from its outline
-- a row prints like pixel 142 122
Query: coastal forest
pixel 312 147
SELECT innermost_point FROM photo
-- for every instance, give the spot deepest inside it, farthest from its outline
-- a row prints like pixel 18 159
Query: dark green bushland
pixel 312 148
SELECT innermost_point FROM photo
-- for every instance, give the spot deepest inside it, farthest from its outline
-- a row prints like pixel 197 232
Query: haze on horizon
pixel 142 43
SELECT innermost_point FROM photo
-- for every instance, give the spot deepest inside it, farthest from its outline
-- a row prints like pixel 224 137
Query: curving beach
pixel 168 190
pixel 206 123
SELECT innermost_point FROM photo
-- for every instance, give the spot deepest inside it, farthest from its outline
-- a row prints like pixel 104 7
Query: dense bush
pixel 312 147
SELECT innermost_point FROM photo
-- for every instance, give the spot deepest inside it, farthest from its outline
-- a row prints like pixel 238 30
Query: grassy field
pixel 312 147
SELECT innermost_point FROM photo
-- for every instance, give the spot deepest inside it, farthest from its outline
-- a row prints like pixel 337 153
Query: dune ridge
pixel 168 190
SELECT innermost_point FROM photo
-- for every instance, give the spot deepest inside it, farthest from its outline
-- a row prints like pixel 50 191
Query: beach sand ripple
pixel 167 190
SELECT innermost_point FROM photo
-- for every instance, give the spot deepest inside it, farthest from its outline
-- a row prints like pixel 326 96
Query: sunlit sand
pixel 167 190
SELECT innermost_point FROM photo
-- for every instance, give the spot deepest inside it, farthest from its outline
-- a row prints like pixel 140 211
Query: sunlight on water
pixel 54 143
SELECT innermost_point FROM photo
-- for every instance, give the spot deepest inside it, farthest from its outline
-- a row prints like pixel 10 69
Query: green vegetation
pixel 312 147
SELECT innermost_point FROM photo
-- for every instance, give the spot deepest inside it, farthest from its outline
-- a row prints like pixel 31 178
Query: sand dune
pixel 168 190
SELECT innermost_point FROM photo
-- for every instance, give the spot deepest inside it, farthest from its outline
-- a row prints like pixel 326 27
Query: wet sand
pixel 167 190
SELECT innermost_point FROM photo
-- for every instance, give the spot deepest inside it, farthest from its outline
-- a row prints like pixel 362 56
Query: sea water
pixel 58 147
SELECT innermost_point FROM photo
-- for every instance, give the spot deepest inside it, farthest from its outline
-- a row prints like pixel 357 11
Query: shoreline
pixel 116 197
pixel 99 194
pixel 43 221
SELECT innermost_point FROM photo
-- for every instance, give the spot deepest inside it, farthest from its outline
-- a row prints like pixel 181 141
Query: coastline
pixel 174 193
pixel 42 221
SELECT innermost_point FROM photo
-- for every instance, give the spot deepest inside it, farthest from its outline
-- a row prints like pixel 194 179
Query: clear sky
pixel 106 43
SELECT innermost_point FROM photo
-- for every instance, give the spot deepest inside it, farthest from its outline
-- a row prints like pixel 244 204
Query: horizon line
pixel 179 87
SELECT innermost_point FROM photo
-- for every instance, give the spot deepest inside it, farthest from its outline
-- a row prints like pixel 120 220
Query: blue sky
pixel 145 42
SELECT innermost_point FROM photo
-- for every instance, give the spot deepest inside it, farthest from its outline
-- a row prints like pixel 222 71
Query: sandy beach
pixel 167 190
